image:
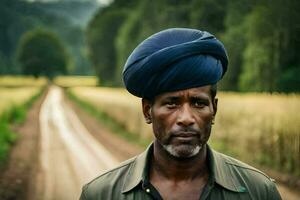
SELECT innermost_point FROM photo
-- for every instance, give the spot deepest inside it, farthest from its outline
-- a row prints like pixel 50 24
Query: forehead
pixel 203 91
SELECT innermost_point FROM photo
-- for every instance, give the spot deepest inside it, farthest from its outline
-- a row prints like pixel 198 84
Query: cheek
pixel 162 124
pixel 204 120
pixel 207 118
pixel 206 115
pixel 206 124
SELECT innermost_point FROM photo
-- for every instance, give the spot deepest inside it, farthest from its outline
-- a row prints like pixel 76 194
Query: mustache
pixel 185 131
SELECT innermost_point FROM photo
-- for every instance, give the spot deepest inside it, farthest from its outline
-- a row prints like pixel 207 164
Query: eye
pixel 200 104
pixel 171 104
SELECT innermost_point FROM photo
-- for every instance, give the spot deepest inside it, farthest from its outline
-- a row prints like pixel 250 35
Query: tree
pixel 208 15
pixel 261 37
pixel 62 17
pixel 101 34
pixel 271 60
pixel 234 40
pixel 42 53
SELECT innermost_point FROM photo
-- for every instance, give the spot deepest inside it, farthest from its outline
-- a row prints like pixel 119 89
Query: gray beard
pixel 171 149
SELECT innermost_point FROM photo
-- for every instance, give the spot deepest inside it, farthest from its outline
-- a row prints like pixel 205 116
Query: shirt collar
pixel 219 169
pixel 221 173
pixel 138 170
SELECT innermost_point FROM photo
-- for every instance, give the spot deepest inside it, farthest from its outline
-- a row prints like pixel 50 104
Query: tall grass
pixel 21 81
pixel 258 128
pixel 72 81
pixel 15 96
pixel 14 103
pixel 109 122
pixel 119 105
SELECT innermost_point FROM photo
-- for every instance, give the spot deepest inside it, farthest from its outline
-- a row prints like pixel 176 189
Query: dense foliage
pixel 42 53
pixel 261 37
pixel 68 19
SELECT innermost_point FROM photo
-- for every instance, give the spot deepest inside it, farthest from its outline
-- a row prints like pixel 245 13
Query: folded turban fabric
pixel 174 59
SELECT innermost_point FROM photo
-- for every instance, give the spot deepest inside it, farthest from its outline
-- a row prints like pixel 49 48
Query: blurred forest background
pixel 64 21
pixel 86 37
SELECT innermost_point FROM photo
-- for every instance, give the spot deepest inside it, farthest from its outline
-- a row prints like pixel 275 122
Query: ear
pixel 147 105
pixel 215 108
pixel 215 105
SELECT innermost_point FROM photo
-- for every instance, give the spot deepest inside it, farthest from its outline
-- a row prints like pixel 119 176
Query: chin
pixel 183 151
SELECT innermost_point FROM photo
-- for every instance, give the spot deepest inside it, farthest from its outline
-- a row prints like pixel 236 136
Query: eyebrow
pixel 199 98
pixel 172 98
pixel 193 98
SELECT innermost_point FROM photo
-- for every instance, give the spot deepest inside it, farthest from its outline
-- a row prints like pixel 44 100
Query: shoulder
pixel 247 178
pixel 108 181
pixel 242 167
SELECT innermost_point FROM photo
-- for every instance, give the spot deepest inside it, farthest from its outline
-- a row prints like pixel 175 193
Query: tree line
pixel 64 20
pixel 261 37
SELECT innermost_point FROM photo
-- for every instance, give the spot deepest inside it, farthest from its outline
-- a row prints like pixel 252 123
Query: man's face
pixel 181 120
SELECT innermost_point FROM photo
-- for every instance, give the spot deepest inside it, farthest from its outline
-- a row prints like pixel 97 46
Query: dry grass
pixel 72 81
pixel 17 81
pixel 258 128
pixel 14 101
pixel 15 96
pixel 118 104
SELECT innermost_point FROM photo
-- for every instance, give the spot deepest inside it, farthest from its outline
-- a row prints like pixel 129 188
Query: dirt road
pixel 70 156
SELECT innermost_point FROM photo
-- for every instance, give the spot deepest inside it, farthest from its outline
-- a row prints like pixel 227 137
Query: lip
pixel 184 139
pixel 185 134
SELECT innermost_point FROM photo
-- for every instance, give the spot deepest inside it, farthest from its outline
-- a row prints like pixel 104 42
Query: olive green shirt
pixel 228 179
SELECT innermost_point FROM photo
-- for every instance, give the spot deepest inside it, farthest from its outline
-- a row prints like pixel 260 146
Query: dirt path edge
pixel 16 175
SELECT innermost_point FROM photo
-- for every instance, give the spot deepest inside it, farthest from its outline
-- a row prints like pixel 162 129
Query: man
pixel 175 72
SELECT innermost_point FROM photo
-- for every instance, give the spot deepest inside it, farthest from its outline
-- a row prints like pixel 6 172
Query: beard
pixel 183 151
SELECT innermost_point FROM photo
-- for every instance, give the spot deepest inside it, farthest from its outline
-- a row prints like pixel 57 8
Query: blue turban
pixel 174 59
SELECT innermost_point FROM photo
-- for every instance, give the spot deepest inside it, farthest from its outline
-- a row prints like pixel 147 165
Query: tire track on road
pixel 70 156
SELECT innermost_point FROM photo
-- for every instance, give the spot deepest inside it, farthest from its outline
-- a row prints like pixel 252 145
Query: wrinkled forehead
pixel 197 92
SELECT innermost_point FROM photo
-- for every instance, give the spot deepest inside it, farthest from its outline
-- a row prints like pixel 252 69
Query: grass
pixel 15 96
pixel 260 129
pixel 7 138
pixel 109 122
pixel 17 101
pixel 21 81
pixel 119 105
pixel 72 81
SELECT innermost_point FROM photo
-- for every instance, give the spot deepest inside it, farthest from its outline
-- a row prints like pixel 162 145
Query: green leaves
pixel 42 53
pixel 261 37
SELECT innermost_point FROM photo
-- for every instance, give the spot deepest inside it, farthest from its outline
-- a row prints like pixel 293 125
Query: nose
pixel 185 116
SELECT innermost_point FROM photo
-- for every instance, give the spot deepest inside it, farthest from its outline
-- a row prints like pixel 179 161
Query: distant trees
pixel 42 53
pixel 101 33
pixel 261 37
pixel 68 19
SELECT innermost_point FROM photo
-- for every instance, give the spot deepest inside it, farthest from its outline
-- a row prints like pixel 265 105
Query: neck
pixel 178 169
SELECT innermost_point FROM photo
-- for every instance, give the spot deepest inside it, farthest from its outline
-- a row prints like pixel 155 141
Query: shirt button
pixel 147 190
